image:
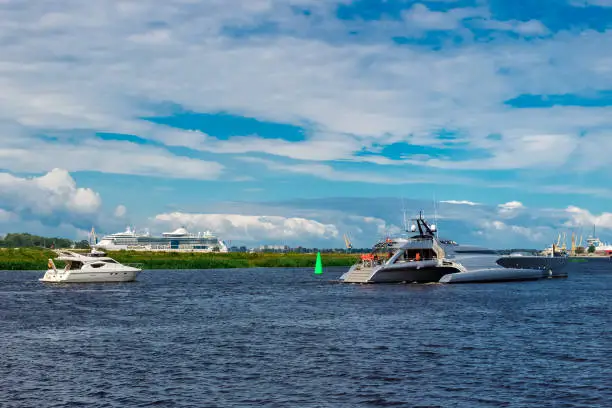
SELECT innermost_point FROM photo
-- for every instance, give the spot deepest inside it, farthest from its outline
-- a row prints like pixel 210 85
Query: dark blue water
pixel 287 338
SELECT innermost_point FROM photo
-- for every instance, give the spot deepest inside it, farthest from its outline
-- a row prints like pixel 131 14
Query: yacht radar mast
pixel 424 228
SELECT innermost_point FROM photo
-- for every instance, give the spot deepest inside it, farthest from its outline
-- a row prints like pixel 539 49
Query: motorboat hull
pixel 77 276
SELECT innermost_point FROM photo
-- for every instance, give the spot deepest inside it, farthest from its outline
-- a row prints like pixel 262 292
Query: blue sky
pixel 297 121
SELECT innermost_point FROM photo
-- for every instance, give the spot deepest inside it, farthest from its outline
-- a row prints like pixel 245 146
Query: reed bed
pixel 36 259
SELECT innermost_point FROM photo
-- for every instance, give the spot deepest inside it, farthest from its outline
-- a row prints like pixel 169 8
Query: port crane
pixel 348 243
pixel 564 247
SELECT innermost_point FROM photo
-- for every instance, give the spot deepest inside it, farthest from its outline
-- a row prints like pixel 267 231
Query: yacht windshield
pixel 383 251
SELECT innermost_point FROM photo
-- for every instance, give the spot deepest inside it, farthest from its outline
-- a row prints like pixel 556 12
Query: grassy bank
pixel 36 259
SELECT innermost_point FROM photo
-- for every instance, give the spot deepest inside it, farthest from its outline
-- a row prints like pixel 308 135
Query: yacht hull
pixel 557 266
pixel 495 275
pixel 412 272
pixel 422 275
pixel 89 276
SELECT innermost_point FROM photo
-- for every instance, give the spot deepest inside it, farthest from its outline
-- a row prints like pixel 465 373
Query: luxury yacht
pixel 417 259
pixel 92 267
pixel 423 258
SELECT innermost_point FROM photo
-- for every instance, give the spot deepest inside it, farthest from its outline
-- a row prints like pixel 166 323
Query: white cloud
pixel 350 95
pixel 252 227
pixel 33 155
pixel 6 216
pixel 53 197
pixel 422 17
pixel 529 235
pixel 569 189
pixel 120 211
pixel 383 228
pixel 510 207
pixel 583 218
pixel 528 28
pixel 460 202
pixel 516 152
pixel 328 172
pixel 321 147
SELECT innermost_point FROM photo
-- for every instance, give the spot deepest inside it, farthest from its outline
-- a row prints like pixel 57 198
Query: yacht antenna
pixel 419 221
pixel 435 215
pixel 404 213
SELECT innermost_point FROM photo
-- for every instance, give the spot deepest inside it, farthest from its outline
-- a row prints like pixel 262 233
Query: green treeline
pixel 29 240
pixel 36 259
pixel 25 240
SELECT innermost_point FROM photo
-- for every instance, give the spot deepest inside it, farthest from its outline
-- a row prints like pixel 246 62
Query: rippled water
pixel 287 338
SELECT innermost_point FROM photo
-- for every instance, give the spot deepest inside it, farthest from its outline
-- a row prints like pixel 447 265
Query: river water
pixel 288 338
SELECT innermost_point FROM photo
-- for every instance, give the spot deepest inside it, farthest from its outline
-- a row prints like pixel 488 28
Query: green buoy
pixel 318 265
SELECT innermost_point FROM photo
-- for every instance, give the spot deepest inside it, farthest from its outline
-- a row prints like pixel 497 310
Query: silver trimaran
pixel 423 258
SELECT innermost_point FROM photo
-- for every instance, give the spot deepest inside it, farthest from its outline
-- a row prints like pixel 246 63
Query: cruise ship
pixel 179 240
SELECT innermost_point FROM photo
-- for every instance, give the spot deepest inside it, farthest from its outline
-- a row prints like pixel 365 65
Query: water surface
pixel 287 338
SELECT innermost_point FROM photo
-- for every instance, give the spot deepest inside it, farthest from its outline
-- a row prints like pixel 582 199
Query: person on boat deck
pixel 417 257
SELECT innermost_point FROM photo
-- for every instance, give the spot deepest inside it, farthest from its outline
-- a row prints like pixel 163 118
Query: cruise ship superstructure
pixel 179 240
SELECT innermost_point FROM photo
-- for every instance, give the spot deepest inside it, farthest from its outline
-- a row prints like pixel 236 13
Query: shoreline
pixel 35 259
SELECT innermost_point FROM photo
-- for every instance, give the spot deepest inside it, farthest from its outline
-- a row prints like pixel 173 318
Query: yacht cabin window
pixel 73 265
pixel 411 255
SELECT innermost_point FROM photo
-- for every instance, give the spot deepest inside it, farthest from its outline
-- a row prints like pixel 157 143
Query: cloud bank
pixel 251 228
pixel 53 198
pixel 350 96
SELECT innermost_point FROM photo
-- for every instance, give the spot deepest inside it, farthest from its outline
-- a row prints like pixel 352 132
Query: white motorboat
pixel 92 267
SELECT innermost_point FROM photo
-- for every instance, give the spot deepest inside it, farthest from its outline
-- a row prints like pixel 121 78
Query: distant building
pixel 271 248
pixel 238 249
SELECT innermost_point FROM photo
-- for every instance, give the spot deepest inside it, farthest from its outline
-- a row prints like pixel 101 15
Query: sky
pixel 298 121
